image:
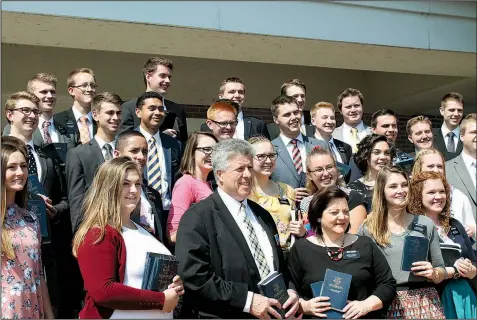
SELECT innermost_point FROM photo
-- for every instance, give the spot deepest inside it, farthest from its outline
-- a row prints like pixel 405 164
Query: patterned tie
pixel 46 134
pixel 257 252
pixel 32 170
pixel 450 143
pixel 354 139
pixel 84 130
pixel 332 150
pixel 108 152
pixel 154 167
pixel 296 156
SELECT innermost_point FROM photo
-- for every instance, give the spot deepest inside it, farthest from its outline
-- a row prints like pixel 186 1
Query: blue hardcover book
pixel 273 286
pixel 34 185
pixel 38 207
pixel 330 314
pixel 336 286
pixel 414 249
pixel 159 271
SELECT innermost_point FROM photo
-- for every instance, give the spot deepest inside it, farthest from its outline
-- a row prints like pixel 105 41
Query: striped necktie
pixel 153 166
pixel 296 156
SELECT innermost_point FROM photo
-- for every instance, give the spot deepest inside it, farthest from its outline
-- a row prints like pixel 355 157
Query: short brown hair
pixel 320 105
pixel 411 122
pixel 280 100
pixel 102 97
pixel 452 96
pixel 188 158
pixel 291 83
pixel 41 77
pixel 471 117
pixel 349 92
pixel 70 79
pixel 152 63
pixel 230 80
pixel 21 95
pixel 218 107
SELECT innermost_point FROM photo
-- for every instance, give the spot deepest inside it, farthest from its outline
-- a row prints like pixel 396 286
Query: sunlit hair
pixel 108 97
pixel 377 220
pixel 471 117
pixel 279 101
pixel 151 66
pixel 411 122
pixel 188 158
pixel 12 101
pixel 319 151
pixel 102 203
pixel 230 80
pixel 11 145
pixel 349 92
pixel 452 96
pixel 416 206
pixel 70 80
pixel 220 107
pixel 41 77
pixel 258 139
pixel 417 167
pixel 291 83
pixel 321 105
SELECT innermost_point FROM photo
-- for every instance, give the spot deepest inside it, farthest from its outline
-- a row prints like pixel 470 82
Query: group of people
pixel 233 202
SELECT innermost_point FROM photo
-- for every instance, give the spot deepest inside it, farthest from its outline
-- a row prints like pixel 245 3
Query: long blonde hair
pixel 377 220
pixel 102 203
pixel 417 167
pixel 11 145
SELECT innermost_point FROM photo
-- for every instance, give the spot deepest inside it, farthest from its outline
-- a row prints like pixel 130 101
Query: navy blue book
pixel 159 271
pixel 273 286
pixel 330 314
pixel 336 286
pixel 38 208
pixel 34 185
pixel 415 249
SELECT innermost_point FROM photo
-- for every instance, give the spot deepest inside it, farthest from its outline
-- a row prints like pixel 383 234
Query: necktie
pixel 450 142
pixel 332 150
pixel 296 156
pixel 84 130
pixel 108 152
pixel 32 170
pixel 46 134
pixel 354 139
pixel 154 166
pixel 257 252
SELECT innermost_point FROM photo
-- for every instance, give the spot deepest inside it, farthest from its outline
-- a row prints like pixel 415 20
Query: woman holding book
pixel 192 186
pixel 429 194
pixel 390 225
pixel 111 249
pixel 332 247
pixel 24 290
pixel 322 172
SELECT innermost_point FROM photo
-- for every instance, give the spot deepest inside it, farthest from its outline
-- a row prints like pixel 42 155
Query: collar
pixel 78 115
pixel 467 159
pixel 30 143
pixel 446 130
pixel 287 140
pixel 360 127
pixel 148 136
pixel 240 116
pixel 232 204
pixel 41 120
pixel 101 142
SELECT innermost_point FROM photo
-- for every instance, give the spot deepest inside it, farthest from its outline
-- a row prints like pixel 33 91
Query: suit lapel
pixel 247 125
pixel 37 138
pixel 310 131
pixel 271 237
pixel 285 156
pixel 43 165
pixel 166 148
pixel 439 140
pixel 342 151
pixel 464 176
pixel 96 152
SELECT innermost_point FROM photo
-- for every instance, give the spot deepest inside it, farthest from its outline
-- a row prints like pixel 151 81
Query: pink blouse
pixel 187 191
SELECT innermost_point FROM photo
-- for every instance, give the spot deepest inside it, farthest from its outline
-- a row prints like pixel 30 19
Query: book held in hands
pixel 273 286
pixel 336 286
pixel 415 249
pixel 316 290
pixel 159 271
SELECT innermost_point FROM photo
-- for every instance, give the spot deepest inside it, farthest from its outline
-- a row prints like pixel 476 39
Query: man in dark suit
pixel 164 152
pixel 297 89
pixel 157 78
pixel 446 138
pixel 78 120
pixel 83 161
pixel 226 244
pixel 233 89
pixel 461 170
pixel 149 212
pixel 291 146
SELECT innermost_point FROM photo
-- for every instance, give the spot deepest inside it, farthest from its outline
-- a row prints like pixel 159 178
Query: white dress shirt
pixel 334 149
pixel 146 215
pixel 362 132
pixel 456 132
pixel 78 115
pixel 101 144
pixel 461 209
pixel 234 208
pixel 301 148
pixel 51 129
pixel 469 162
pixel 37 159
pixel 165 194
pixel 240 128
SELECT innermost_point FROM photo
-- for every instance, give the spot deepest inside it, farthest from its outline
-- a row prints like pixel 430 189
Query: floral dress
pixel 21 291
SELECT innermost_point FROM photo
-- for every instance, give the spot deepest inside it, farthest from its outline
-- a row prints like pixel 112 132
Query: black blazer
pixel 440 144
pixel 215 262
pixel 175 118
pixel 81 165
pixel 66 120
pixel 344 149
pixel 252 127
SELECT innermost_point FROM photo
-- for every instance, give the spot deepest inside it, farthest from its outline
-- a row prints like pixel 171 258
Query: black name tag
pixel 418 227
pixel 454 231
pixel 284 201
pixel 352 254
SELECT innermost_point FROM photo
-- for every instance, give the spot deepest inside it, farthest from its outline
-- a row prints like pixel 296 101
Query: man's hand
pixel 50 210
pixel 301 193
pixel 171 298
pixel 170 132
pixel 292 304
pixel 177 284
pixel 261 307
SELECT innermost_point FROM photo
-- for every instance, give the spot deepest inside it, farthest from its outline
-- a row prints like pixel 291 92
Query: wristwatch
pixel 456 273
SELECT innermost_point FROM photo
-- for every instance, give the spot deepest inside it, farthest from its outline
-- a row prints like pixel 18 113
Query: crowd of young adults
pixel 233 202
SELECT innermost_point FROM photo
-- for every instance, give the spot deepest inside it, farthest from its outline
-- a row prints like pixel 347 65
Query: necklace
pixel 336 255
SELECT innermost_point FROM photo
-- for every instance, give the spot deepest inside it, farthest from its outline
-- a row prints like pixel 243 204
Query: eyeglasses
pixel 320 170
pixel 224 124
pixel 28 111
pixel 205 150
pixel 263 157
pixel 85 86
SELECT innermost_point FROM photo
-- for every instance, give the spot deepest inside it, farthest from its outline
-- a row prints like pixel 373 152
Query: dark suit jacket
pixel 215 262
pixel 252 127
pixel 344 149
pixel 81 165
pixel 458 176
pixel 440 144
pixel 285 169
pixel 175 118
pixel 66 120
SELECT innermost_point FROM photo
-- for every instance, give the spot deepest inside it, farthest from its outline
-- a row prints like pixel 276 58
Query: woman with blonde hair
pixel 24 290
pixel 460 207
pixel 388 225
pixel 111 249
